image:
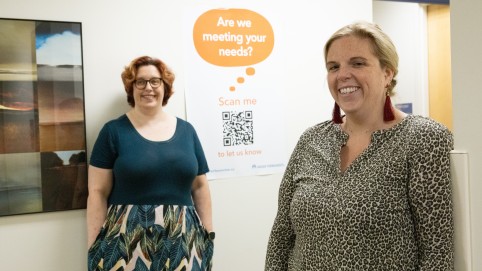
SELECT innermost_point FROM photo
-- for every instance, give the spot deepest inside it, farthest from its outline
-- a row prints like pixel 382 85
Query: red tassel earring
pixel 387 109
pixel 336 114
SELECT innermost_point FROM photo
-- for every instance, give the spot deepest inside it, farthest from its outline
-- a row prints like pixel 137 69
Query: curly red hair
pixel 130 71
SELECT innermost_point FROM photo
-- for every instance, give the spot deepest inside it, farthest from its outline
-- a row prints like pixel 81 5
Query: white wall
pixel 466 37
pixel 113 33
pixel 406 24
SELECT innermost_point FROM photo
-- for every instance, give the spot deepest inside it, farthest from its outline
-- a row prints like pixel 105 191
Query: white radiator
pixel 461 198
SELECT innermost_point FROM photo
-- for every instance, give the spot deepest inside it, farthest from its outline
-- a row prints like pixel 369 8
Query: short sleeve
pixel 199 152
pixel 104 151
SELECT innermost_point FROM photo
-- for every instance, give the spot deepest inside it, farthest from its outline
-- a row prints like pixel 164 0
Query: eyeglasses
pixel 155 82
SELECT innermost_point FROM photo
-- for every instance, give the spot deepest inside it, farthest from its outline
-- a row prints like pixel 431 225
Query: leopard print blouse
pixel 390 210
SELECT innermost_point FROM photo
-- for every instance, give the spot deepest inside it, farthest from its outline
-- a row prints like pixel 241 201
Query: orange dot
pixel 250 71
pixel 231 88
pixel 240 80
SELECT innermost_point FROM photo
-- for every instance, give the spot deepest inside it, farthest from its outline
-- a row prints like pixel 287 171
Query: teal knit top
pixel 149 172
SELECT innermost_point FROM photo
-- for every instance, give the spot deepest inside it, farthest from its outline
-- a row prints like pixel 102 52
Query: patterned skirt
pixel 151 237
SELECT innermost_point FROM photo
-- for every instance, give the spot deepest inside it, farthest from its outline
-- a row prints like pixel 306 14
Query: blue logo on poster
pixel 406 107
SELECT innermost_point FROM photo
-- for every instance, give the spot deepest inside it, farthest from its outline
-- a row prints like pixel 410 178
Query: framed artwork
pixel 42 119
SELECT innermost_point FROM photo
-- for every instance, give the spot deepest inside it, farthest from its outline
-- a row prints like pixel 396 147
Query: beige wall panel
pixel 439 61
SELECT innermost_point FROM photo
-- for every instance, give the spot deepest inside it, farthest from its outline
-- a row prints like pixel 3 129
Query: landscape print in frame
pixel 42 120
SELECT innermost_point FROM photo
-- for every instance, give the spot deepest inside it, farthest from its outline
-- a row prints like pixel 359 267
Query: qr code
pixel 237 128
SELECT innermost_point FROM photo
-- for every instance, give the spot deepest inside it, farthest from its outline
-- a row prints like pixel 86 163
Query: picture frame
pixel 43 165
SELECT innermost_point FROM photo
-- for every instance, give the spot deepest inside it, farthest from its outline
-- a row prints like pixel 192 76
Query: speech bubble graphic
pixel 249 71
pixel 233 38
